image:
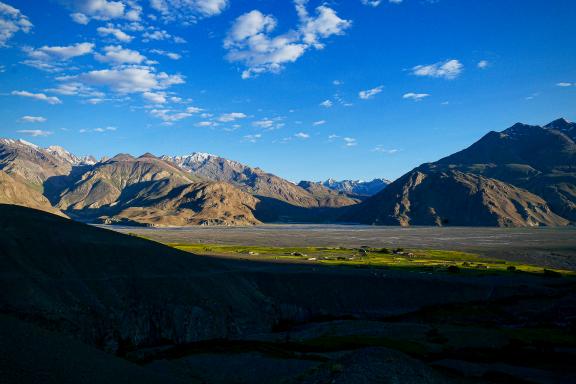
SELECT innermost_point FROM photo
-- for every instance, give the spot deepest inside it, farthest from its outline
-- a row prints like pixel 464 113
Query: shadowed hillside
pixel 175 312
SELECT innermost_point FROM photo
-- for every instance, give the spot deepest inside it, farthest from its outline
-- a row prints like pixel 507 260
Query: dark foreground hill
pixel 68 290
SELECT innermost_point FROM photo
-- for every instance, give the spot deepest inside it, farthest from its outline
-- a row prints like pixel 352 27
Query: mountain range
pixel 522 176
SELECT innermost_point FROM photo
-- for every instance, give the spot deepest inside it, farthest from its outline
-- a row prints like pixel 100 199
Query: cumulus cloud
pixel 251 43
pixel 483 64
pixel 370 93
pixel 319 122
pixel 415 96
pixel 565 84
pixel 170 116
pixel 233 116
pixel 327 104
pixel 127 79
pixel 11 22
pixel 449 69
pixel 38 96
pixel 155 97
pixel 253 138
pixel 116 55
pixel 188 10
pixel 170 55
pixel 110 30
pixel 75 89
pixel 302 135
pixel 350 141
pixel 59 53
pixel 35 132
pixel 32 119
pixel 86 10
pixel 53 59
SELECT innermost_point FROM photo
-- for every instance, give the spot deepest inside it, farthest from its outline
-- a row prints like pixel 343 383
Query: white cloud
pixel 483 64
pixel 170 116
pixel 350 142
pixel 127 80
pixel 319 122
pixel 75 89
pixel 35 132
pixel 105 129
pixel 32 119
pixel 38 96
pixel 253 138
pixel 59 53
pixel 375 3
pixel 11 22
pixel 170 55
pixel 264 123
pixel 188 10
pixel 156 35
pixel 249 41
pixel 228 117
pixel 155 97
pixel 80 18
pixel 566 84
pixel 85 10
pixel 110 30
pixel 116 55
pixel 302 135
pixel 415 96
pixel 449 69
pixel 205 124
pixel 382 149
pixel 327 104
pixel 370 93
pixel 98 130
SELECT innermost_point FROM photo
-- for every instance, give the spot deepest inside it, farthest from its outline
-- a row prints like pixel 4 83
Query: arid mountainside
pixel 256 181
pixel 541 160
pixel 150 191
pixel 428 196
pixel 327 197
pixel 14 190
pixel 33 164
pixel 523 176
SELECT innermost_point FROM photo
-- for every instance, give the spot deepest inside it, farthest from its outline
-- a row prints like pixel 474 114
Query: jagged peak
pixel 559 123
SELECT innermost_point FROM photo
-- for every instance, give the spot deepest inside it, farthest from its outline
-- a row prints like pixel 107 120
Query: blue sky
pixel 304 89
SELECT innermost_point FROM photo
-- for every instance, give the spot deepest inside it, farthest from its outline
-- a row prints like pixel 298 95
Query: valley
pixel 546 247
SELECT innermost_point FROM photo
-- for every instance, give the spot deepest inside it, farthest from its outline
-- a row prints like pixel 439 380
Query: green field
pixel 412 259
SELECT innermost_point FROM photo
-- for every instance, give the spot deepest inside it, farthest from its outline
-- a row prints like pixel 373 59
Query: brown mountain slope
pixel 522 176
pixel 31 163
pixel 327 197
pixel 207 203
pixel 150 191
pixel 255 181
pixel 14 190
pixel 427 196
pixel 539 159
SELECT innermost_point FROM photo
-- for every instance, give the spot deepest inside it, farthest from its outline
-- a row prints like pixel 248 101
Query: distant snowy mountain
pixel 357 187
pixel 254 180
